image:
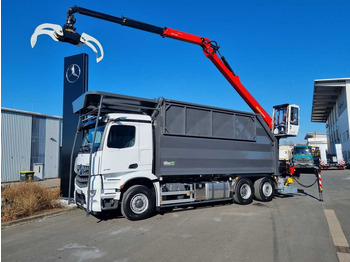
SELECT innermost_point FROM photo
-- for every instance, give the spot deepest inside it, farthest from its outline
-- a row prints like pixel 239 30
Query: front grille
pixel 82 177
pixel 303 160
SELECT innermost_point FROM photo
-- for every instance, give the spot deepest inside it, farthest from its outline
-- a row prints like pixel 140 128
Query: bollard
pixel 320 188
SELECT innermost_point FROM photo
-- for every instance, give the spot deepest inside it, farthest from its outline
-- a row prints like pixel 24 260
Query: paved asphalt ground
pixel 286 229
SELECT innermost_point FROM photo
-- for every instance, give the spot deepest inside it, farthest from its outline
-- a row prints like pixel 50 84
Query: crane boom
pixel 210 49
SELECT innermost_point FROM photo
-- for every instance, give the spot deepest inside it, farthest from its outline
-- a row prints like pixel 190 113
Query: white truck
pixel 332 161
pixel 162 153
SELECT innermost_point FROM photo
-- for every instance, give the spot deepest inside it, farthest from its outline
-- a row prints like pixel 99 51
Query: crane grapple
pixel 68 34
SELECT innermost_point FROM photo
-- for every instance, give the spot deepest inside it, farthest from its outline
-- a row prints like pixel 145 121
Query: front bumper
pixel 80 199
pixel 106 203
pixel 100 199
pixel 109 204
pixel 81 194
pixel 333 166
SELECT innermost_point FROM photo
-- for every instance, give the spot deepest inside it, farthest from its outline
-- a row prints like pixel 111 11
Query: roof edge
pixel 29 113
pixel 334 79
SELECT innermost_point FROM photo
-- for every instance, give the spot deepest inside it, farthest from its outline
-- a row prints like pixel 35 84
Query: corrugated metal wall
pixel 16 132
pixel 16 146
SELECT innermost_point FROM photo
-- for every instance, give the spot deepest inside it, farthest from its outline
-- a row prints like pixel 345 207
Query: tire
pixel 138 203
pixel 264 189
pixel 243 192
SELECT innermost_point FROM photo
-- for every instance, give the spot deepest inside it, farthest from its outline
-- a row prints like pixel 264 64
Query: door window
pixel 294 116
pixel 121 137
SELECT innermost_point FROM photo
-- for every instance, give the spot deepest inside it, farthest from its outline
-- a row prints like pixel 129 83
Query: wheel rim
pixel 245 191
pixel 139 203
pixel 267 189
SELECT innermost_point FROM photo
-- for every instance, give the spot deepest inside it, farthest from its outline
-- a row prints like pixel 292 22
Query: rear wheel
pixel 138 203
pixel 243 192
pixel 264 189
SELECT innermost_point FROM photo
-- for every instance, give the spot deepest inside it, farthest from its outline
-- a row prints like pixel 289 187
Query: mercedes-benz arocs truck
pixel 151 154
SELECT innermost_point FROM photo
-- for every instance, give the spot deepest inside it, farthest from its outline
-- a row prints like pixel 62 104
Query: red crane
pixel 210 48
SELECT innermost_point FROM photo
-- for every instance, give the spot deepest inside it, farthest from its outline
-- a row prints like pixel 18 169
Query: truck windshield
pixel 302 151
pixel 89 136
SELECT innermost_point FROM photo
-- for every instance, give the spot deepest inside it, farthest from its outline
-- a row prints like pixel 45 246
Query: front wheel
pixel 138 203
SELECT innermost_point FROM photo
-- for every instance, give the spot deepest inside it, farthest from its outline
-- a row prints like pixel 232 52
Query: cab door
pixel 293 128
pixel 121 149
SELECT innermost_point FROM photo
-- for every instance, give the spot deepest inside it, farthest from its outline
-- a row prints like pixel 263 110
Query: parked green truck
pixel 302 159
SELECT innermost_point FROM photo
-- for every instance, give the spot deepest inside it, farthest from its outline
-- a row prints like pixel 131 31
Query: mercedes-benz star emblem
pixel 73 73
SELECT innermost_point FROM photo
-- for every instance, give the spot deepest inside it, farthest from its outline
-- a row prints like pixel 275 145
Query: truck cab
pixel 302 156
pixel 122 150
pixel 285 120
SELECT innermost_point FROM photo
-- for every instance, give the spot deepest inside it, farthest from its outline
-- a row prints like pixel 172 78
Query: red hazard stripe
pixel 320 180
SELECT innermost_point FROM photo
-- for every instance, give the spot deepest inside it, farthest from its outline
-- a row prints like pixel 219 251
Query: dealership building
pixel 330 105
pixel 29 142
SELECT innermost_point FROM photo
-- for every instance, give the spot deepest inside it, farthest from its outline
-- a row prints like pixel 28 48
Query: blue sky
pixel 278 48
